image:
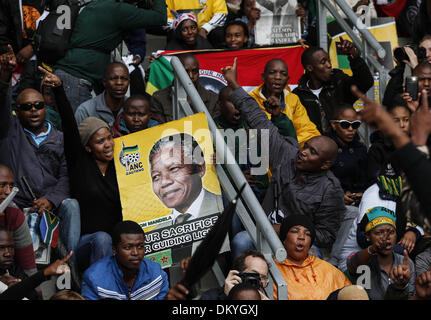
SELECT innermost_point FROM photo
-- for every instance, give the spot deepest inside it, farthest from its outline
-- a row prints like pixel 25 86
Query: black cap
pixel 296 220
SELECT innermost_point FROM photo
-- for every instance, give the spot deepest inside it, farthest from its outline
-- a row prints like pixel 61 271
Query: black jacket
pixel 418 171
pixel 317 195
pixel 335 91
pixel 10 26
pixel 98 195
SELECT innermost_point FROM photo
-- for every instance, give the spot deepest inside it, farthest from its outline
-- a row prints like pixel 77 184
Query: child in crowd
pixel 351 164
pixel 135 117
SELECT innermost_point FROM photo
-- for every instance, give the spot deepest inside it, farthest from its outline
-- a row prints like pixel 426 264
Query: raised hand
pixel 58 267
pixel 411 104
pixel 230 74
pixel 423 285
pixel 378 118
pixel 408 241
pixel 400 274
pixel 273 106
pixel 50 79
pixel 348 48
pixel 9 280
pixel 420 121
pixel 7 63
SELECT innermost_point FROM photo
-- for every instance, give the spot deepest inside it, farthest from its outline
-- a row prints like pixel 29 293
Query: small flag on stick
pixel 49 228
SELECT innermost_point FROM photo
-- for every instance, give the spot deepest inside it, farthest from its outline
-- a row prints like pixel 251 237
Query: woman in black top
pixel 89 151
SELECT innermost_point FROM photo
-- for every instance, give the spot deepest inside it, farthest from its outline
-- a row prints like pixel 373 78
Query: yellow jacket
pixel 203 9
pixel 304 127
pixel 315 279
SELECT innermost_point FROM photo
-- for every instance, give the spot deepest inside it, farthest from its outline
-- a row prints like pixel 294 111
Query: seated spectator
pixel 135 117
pixel 33 148
pixel 14 221
pixel 353 238
pixel 89 150
pixel 244 291
pixel 308 186
pixel 99 28
pixel 66 295
pixel 322 87
pixel 10 272
pixel 251 261
pixel 211 16
pixel 351 164
pixel 20 289
pixel 275 93
pixel 107 105
pixel 423 72
pixel 249 14
pixel 125 275
pixel 395 86
pixel 161 100
pixel 236 35
pixel 392 275
pixel 186 35
pixel 307 277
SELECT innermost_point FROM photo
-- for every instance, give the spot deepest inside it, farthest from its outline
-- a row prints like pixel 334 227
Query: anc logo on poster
pixel 129 159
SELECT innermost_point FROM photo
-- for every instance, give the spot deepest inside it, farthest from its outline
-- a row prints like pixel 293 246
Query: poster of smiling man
pixel 169 186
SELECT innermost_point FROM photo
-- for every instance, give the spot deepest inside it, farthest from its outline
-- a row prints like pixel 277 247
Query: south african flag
pixel 49 228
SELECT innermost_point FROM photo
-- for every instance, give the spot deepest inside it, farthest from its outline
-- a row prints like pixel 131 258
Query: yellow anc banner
pixel 131 155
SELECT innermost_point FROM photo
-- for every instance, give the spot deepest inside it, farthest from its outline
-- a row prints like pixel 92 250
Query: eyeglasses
pixel 28 106
pixel 345 124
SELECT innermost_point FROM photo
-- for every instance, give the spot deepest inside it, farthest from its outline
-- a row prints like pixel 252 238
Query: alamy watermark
pixel 251 146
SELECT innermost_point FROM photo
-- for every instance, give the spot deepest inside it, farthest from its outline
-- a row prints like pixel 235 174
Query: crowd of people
pixel 343 203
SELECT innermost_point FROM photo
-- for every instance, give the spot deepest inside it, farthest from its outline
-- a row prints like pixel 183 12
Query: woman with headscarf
pixel 391 274
pixel 89 151
pixel 307 277
pixel 186 34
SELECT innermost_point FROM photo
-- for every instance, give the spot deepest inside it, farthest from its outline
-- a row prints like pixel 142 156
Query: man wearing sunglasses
pixel 33 148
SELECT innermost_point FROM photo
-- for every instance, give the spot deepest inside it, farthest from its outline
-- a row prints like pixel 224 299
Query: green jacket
pixel 99 29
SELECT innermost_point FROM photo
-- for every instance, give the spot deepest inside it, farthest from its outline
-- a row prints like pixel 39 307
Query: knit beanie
pixel 378 216
pixel 89 126
pixel 296 220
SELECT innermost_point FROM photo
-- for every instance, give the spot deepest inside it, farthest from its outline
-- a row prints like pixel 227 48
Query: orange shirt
pixel 315 279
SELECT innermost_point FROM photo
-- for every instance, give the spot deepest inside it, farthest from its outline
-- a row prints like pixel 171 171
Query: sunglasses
pixel 29 106
pixel 345 124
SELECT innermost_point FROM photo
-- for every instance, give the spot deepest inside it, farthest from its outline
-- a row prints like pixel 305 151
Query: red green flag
pixel 250 65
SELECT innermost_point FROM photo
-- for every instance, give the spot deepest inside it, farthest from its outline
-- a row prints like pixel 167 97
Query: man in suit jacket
pixel 177 166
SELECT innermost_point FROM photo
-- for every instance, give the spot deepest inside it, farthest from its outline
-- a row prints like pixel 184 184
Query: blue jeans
pixel 92 247
pixel 241 242
pixel 70 223
pixel 77 90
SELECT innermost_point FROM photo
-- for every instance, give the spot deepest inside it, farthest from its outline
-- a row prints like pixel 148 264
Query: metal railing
pixel 262 233
pixel 366 44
